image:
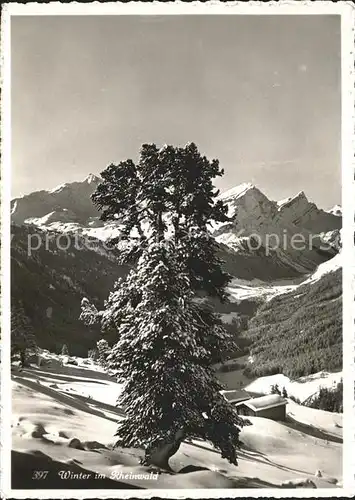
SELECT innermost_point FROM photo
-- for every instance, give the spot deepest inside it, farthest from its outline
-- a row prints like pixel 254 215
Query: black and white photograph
pixel 177 250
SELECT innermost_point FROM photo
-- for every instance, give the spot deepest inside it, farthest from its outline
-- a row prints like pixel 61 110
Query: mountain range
pixel 50 281
pixel 69 209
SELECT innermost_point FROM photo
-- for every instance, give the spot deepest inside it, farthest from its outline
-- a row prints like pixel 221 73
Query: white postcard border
pixel 347 13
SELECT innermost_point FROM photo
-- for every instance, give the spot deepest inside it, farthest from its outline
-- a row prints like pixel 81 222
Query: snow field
pixel 68 415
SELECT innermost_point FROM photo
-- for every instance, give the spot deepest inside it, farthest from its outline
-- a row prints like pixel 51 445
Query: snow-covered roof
pixel 236 395
pixel 265 402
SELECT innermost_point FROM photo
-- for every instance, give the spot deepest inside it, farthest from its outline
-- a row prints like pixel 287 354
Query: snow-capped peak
pixel 336 210
pixel 69 200
pixel 237 191
pixel 292 199
pixel 58 188
pixel 91 178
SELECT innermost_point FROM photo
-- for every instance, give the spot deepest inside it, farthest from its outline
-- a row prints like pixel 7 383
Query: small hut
pixel 235 396
pixel 271 406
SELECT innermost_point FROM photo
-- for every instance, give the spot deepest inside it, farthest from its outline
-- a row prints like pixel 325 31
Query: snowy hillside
pixel 328 267
pixel 284 313
pixel 43 280
pixel 64 418
pixel 301 388
pixel 50 283
pixel 240 289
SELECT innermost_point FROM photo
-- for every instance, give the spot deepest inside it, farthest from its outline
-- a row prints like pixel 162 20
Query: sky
pixel 260 93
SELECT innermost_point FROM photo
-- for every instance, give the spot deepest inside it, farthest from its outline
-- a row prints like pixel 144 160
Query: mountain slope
pixel 300 332
pixel 51 283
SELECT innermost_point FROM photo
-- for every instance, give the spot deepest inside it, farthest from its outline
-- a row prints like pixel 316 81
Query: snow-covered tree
pixel 103 350
pixel 164 356
pixel 169 190
pixel 167 341
pixel 65 351
pixel 23 340
pixel 93 354
pixel 89 313
pixel 275 389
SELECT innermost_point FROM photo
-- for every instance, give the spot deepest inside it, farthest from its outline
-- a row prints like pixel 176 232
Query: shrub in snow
pixel 275 389
pixel 75 443
pixel 65 351
pixel 103 351
pixel 296 400
pixel 298 483
pixel 72 361
pixel 93 354
pixel 89 313
pixel 33 359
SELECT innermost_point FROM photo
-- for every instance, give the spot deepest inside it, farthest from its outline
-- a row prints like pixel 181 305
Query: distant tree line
pixel 299 333
pixel 23 340
pixel 329 399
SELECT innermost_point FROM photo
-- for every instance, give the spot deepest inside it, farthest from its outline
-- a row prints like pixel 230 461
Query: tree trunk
pixel 160 226
pixel 176 224
pixel 22 358
pixel 140 232
pixel 160 455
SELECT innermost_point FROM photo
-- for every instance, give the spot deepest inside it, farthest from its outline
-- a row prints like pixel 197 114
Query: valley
pixel 284 311
pixel 74 260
